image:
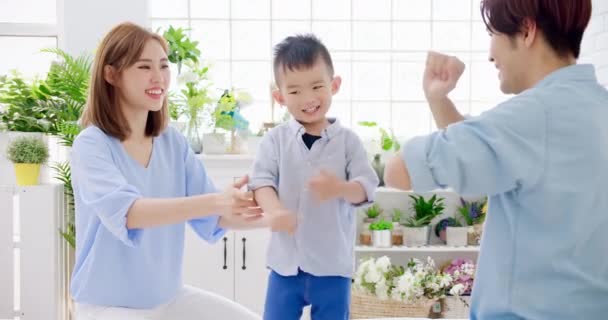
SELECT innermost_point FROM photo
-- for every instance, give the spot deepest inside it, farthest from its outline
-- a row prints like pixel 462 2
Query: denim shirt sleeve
pixel 496 152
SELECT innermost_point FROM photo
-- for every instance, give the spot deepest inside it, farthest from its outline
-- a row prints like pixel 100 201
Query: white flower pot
pixel 381 238
pixel 214 143
pixel 416 237
pixel 457 236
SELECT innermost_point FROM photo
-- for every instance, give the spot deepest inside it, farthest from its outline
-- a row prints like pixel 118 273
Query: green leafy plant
pixel 381 225
pixel 181 47
pixel 397 214
pixel 21 110
pixel 424 211
pixel 472 212
pixel 64 174
pixel 388 141
pixel 373 211
pixel 27 150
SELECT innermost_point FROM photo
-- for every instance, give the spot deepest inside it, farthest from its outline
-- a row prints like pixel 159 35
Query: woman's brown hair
pixel 120 48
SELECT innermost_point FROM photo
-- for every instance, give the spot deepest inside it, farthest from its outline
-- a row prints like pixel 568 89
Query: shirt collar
pixel 330 131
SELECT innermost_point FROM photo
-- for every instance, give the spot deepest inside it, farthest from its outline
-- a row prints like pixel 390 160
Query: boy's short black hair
pixel 299 51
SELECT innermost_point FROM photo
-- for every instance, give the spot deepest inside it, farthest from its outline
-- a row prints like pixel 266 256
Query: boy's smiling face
pixel 307 92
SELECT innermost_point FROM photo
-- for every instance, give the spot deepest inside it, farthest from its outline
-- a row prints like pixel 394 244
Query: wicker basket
pixel 456 308
pixel 363 306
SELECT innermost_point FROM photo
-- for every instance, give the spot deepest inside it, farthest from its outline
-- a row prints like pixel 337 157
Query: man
pixel 541 156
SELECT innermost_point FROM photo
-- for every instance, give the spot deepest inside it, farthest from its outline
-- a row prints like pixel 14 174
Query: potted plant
pixel 381 233
pixel 443 224
pixel 416 229
pixel 27 155
pixel 397 231
pixel 472 214
pixel 371 215
pixel 387 142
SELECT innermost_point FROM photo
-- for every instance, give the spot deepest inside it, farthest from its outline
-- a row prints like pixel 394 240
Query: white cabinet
pixel 235 266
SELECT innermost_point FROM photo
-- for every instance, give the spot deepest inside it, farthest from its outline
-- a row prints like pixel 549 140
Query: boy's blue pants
pixel 328 296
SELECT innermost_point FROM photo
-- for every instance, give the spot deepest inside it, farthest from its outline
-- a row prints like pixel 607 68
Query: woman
pixel 136 183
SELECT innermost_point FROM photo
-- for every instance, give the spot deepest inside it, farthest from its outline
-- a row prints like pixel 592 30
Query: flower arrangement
pixel 411 284
pixel 462 272
pixel 472 212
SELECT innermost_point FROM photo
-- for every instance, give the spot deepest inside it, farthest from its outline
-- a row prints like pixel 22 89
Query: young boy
pixel 308 176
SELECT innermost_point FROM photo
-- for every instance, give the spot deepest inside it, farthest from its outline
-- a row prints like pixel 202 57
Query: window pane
pixel 259 112
pixel 161 25
pixel 452 36
pixel 372 35
pixel 410 120
pixel 28 11
pixel 405 39
pixel 341 111
pixel 250 9
pixel 210 9
pixel 481 39
pixel 213 38
pixel 371 80
pixel 334 9
pixel 485 84
pixel 219 74
pixel 168 9
pixel 291 9
pixel 452 9
pixel 283 29
pixel 412 9
pixel 376 10
pixel 343 69
pixel 251 40
pixel 335 35
pixel 254 77
pixel 407 81
pixel 25 56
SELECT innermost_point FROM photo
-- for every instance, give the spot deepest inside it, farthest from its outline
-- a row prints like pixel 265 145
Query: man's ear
pixel 529 31
pixel 336 82
pixel 109 74
pixel 278 96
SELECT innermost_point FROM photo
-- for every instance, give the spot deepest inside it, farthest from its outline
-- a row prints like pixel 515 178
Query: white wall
pixel 83 23
pixel 595 42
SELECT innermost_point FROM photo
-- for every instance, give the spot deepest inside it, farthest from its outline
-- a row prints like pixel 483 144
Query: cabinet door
pixel 209 266
pixel 251 273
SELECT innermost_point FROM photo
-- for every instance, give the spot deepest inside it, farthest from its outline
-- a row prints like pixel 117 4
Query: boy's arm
pixel 277 217
pixel 440 77
pixel 328 186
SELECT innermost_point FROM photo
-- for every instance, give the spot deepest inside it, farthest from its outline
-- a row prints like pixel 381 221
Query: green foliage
pixel 20 100
pixel 397 214
pixel 27 150
pixel 373 211
pixel 64 174
pixel 388 141
pixel 181 47
pixel 381 225
pixel 424 211
pixel 472 212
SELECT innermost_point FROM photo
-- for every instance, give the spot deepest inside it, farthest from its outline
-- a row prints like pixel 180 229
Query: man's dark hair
pixel 300 51
pixel 562 22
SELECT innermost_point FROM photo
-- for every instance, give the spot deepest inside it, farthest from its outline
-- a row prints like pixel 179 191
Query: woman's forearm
pixel 150 212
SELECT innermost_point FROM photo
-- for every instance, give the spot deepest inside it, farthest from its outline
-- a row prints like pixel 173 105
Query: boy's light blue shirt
pixel 323 244
pixel 542 156
pixel 136 268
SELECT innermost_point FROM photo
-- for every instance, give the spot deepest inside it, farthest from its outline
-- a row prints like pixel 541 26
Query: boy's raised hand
pixel 441 75
pixel 326 186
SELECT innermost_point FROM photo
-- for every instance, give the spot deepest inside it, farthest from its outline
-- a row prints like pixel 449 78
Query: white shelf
pixel 431 248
